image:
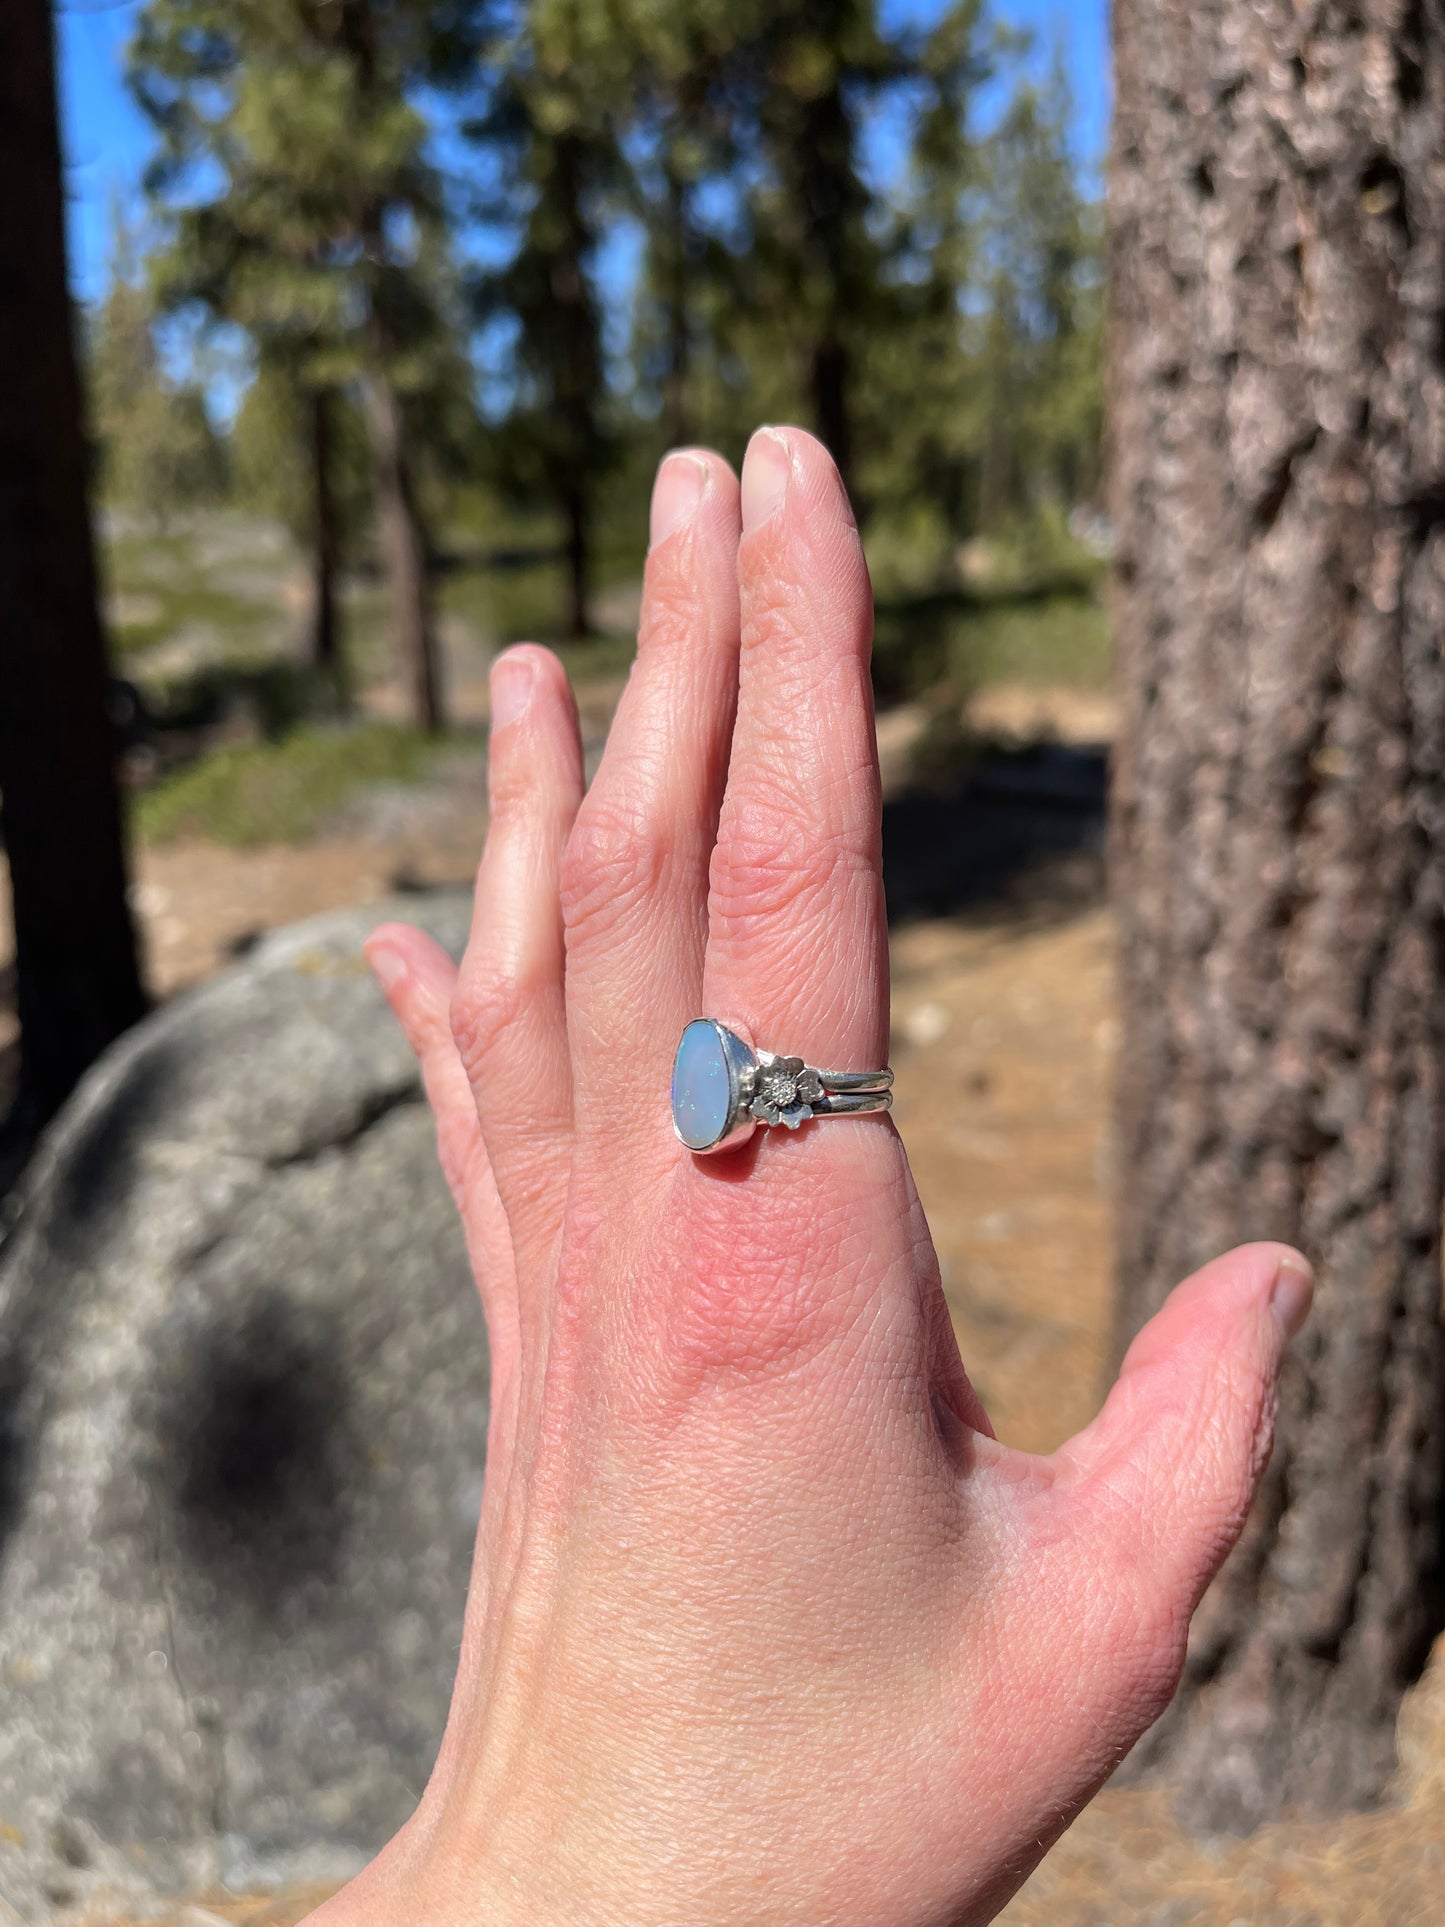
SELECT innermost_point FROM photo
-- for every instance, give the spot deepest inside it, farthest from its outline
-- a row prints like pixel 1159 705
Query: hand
pixel 766 1626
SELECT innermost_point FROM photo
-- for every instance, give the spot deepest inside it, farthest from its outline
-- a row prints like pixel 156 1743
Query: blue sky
pixel 106 140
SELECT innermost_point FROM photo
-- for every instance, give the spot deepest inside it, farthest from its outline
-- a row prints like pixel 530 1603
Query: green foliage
pixel 157 450
pixel 1057 638
pixel 292 164
pixel 1039 362
pixel 839 257
pixel 1057 633
pixel 993 400
pixel 272 464
pixel 284 792
pixel 550 132
pixel 558 160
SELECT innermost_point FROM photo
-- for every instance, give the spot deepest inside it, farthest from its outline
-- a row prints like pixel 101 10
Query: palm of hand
pixel 765 1624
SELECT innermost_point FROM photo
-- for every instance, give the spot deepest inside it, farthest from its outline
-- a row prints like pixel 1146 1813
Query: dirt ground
pixel 1004 1033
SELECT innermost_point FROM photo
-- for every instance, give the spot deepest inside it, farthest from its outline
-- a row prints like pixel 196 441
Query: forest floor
pixel 1004 1034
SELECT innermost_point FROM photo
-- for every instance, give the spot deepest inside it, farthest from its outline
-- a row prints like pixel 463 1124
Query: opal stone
pixel 701 1088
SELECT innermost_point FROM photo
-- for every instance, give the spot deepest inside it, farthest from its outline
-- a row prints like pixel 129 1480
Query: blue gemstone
pixel 702 1095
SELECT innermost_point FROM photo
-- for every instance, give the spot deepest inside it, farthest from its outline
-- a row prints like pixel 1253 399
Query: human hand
pixel 765 1624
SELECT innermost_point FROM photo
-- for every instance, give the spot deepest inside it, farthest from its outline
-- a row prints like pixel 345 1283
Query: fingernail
pixel 1293 1294
pixel 675 494
pixel 388 966
pixel 767 467
pixel 512 680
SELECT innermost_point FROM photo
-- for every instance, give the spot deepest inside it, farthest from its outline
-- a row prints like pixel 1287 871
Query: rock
pixel 243 1405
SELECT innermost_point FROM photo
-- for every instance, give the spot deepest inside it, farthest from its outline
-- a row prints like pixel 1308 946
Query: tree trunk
pixel 78 979
pixel 579 564
pixel 1278 455
pixel 325 635
pixel 837 287
pixel 404 541
pixel 577 378
pixel 404 545
pixel 830 374
pixel 679 326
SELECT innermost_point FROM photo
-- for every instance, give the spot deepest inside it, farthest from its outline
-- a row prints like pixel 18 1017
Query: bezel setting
pixel 742 1066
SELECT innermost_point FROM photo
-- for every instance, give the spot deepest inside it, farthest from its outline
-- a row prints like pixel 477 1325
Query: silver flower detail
pixel 785 1092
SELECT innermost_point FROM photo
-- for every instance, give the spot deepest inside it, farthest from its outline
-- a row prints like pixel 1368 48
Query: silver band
pixel 723 1090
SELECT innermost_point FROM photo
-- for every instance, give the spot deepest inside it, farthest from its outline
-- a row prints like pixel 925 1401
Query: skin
pixel 765 1624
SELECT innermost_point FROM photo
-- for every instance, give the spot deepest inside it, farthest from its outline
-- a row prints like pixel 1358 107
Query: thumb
pixel 1168 1470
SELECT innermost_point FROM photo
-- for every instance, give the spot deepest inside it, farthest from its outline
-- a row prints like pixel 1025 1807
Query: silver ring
pixel 723 1090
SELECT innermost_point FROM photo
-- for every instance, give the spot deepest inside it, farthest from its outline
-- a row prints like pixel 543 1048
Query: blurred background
pixel 581 238
pixel 384 314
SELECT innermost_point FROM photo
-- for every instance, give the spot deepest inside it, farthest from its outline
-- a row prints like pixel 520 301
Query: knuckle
pixel 773 861
pixel 615 857
pixel 672 610
pixel 487 1003
pixel 512 786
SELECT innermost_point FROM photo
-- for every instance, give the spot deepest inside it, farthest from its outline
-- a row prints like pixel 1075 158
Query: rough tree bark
pixel 78 980
pixel 1278 435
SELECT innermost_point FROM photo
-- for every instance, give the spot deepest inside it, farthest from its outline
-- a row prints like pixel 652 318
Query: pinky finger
pixel 417 977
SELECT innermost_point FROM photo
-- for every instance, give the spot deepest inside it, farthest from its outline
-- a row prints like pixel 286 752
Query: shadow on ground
pixel 972 843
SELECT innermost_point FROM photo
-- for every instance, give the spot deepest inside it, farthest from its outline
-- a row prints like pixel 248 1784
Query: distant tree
pixel 294 170
pixel 78 980
pixel 158 449
pixel 1040 356
pixel 554 144
pixel 822 60
pixel 1278 296
pixel 976 381
pixel 832 256
pixel 299 453
pixel 685 96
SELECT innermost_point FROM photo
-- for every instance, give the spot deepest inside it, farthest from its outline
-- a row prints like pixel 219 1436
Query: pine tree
pixel 983 398
pixel 836 256
pixel 684 112
pixel 299 455
pixel 555 144
pixel 158 451
pixel 302 206
pixel 1042 352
